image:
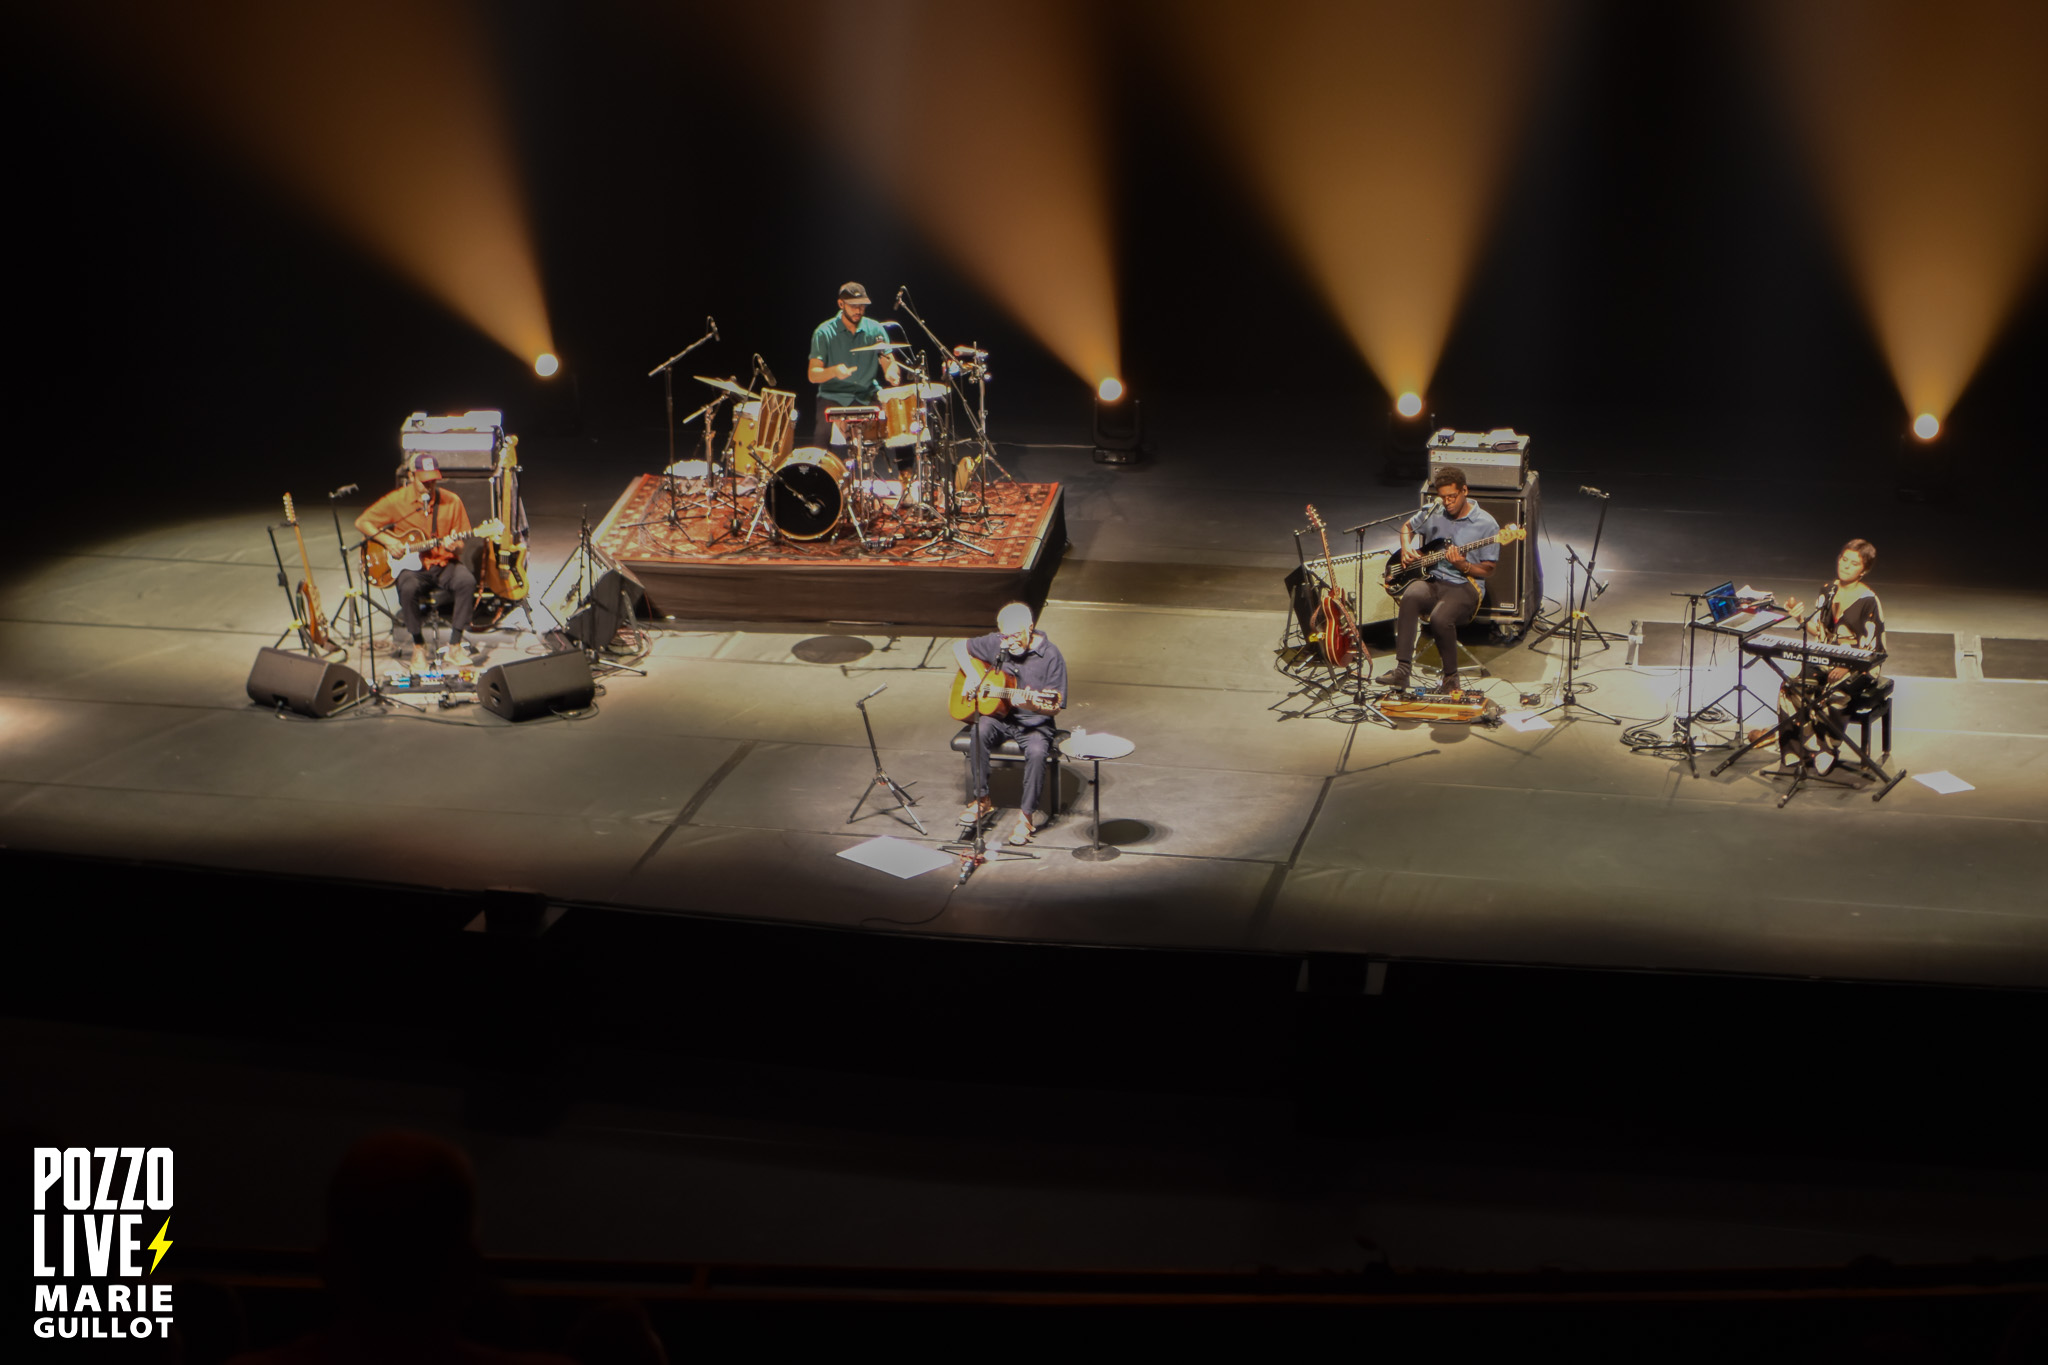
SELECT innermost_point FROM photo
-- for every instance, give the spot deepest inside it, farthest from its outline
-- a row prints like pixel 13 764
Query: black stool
pixel 1875 704
pixel 1009 751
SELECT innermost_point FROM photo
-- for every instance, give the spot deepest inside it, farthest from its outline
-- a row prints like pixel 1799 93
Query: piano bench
pixel 1009 751
pixel 1874 705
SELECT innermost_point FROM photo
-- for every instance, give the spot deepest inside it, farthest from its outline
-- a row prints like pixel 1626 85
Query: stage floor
pixel 720 782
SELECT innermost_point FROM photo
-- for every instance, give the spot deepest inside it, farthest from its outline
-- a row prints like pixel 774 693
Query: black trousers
pixel 1449 605
pixel 1034 740
pixel 415 583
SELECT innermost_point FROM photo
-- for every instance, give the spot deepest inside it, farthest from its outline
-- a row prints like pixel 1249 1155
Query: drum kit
pixel 899 456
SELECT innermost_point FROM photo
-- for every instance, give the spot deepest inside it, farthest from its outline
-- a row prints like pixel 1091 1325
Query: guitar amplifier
pixel 1490 459
pixel 467 441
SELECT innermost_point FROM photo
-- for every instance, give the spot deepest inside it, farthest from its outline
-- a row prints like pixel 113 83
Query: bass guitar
pixel 989 691
pixel 312 621
pixel 382 570
pixel 1336 628
pixel 1400 575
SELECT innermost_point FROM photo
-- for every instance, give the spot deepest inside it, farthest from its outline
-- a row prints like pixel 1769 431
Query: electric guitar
pixel 1336 628
pixel 382 570
pixel 989 691
pixel 311 619
pixel 1400 575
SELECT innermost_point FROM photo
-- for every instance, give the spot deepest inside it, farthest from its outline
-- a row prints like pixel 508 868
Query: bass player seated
pixel 417 512
pixel 1449 590
pixel 1037 670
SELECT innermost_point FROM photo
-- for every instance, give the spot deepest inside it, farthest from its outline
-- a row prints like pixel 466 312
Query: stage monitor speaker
pixel 526 688
pixel 616 600
pixel 1514 591
pixel 311 687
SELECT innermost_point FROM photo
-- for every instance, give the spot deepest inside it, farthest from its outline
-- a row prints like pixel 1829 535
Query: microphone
pixel 762 365
pixel 876 693
pixel 1593 492
pixel 711 326
pixel 901 290
pixel 342 491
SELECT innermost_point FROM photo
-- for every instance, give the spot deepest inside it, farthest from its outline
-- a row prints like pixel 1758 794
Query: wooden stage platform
pixel 707 572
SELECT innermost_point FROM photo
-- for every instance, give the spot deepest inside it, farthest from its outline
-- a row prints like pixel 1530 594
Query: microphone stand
pixel 904 800
pixel 359 620
pixel 1578 625
pixel 666 369
pixel 977 416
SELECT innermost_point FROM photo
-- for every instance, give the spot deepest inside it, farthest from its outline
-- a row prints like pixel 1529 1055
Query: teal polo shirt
pixel 833 345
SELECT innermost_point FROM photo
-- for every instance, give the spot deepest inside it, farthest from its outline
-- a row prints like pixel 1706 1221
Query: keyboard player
pixel 1847 613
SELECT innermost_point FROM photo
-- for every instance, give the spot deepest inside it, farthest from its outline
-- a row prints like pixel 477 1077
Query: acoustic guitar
pixel 311 619
pixel 989 691
pixel 382 570
pixel 1336 628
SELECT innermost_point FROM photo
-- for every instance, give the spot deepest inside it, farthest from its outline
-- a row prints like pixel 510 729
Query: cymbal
pixel 725 385
pixel 883 346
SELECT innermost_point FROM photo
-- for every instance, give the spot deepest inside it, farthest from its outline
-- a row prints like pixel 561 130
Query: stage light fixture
pixel 1408 404
pixel 545 365
pixel 1119 424
pixel 1926 426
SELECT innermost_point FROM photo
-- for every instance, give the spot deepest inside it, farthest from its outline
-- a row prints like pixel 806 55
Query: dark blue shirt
pixel 1039 668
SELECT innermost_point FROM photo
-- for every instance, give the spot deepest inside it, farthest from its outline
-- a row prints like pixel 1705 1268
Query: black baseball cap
pixel 426 464
pixel 853 293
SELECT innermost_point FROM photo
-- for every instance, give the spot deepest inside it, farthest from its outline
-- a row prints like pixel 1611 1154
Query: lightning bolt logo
pixel 159 1244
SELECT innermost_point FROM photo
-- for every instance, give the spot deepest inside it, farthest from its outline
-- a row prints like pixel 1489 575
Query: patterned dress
pixel 1860 623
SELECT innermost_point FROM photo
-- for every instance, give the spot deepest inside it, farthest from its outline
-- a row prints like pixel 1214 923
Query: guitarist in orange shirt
pixel 421 510
pixel 1039 673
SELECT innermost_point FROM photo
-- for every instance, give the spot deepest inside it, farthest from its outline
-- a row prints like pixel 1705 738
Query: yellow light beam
pixel 1928 125
pixel 983 122
pixel 1375 131
pixel 384 115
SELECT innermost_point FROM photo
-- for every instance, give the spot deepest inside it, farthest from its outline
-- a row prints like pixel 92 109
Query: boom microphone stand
pixel 1578 625
pixel 666 369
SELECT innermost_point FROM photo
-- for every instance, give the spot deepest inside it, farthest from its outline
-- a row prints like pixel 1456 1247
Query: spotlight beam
pixel 986 129
pixel 1374 130
pixel 1929 128
pixel 383 115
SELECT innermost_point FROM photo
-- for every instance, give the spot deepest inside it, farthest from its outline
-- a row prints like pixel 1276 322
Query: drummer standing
pixel 844 378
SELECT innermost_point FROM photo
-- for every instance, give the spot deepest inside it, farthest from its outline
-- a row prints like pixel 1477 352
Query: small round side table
pixel 1095 748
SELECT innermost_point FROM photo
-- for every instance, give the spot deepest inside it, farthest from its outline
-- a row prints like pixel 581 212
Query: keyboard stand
pixel 1810 710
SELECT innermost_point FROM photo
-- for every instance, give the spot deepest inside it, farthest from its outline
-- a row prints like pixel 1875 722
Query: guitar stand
pixel 1329 696
pixel 904 800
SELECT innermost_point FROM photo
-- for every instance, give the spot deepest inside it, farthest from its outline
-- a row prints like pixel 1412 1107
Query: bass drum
pixel 807 493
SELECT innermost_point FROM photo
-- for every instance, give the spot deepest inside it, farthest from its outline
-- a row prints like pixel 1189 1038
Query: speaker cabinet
pixel 311 687
pixel 1514 590
pixel 526 688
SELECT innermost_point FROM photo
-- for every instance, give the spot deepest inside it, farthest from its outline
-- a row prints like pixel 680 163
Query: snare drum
pixel 902 416
pixel 807 493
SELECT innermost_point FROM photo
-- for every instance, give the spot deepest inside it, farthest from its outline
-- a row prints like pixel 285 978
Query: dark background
pixel 1658 266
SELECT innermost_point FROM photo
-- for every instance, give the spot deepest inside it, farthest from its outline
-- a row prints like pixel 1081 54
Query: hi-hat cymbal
pixel 883 346
pixel 726 385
